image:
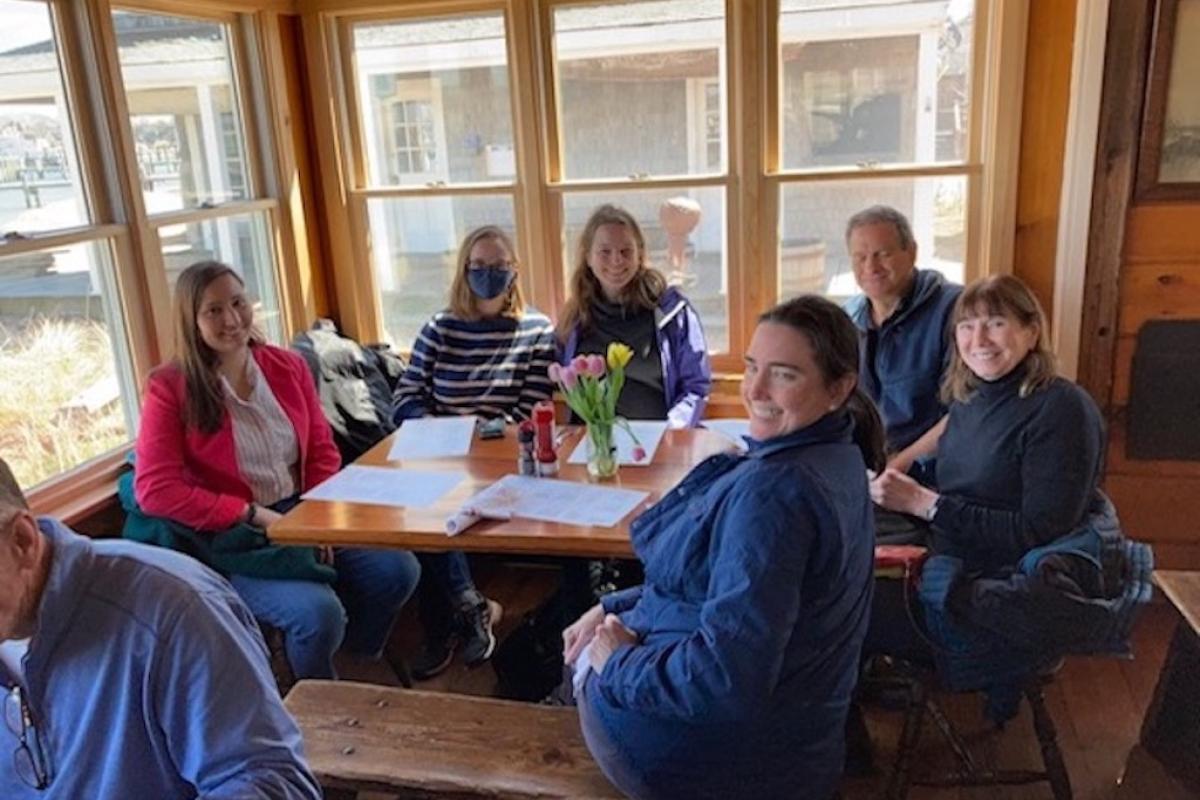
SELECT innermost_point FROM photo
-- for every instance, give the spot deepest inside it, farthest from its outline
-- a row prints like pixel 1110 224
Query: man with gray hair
pixel 902 316
pixel 131 671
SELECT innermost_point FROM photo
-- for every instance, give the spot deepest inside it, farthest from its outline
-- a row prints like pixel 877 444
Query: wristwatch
pixel 251 510
pixel 933 507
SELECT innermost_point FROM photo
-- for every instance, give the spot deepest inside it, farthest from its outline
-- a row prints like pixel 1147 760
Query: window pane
pixel 700 271
pixel 413 245
pixel 68 394
pixel 40 187
pixel 812 228
pixel 184 110
pixel 434 102
pixel 877 82
pixel 242 241
pixel 641 88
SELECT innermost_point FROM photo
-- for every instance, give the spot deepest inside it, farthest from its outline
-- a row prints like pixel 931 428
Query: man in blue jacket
pixel 131 671
pixel 902 317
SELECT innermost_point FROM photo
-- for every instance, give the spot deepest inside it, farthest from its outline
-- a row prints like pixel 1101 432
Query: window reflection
pixel 40 187
pixel 184 110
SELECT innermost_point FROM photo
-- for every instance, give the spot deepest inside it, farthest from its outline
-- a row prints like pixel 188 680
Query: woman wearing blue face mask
pixel 487 355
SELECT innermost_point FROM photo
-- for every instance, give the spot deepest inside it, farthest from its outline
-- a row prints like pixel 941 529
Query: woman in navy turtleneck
pixel 1019 464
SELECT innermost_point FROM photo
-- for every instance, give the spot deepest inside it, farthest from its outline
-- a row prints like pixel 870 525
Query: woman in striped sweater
pixel 487 354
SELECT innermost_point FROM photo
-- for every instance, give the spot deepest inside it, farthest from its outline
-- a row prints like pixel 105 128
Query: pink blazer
pixel 193 477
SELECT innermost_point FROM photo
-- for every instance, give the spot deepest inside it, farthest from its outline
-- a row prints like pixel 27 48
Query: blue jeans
pixel 360 607
pixel 450 572
pixel 607 755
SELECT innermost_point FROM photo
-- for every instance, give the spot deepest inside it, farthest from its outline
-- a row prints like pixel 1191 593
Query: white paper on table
pixel 553 500
pixel 733 429
pixel 433 437
pixel 386 486
pixel 648 432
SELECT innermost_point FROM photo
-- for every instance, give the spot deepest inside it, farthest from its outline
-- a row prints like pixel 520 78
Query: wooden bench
pixel 360 737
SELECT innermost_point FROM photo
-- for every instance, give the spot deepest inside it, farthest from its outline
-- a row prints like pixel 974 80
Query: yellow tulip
pixel 619 355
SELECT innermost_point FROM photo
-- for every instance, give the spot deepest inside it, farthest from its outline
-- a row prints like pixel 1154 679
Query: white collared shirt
pixel 267 448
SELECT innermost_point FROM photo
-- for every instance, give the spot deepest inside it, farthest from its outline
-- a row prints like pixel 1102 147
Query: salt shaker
pixel 526 464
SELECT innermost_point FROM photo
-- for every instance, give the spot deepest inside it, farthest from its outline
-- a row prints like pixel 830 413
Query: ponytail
pixel 834 341
pixel 868 429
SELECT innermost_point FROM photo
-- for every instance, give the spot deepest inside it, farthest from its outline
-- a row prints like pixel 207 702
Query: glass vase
pixel 601 453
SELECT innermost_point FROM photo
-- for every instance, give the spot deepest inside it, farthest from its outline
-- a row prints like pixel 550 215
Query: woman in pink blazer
pixel 232 432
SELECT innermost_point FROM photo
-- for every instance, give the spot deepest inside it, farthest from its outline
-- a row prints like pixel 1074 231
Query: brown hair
pixel 203 405
pixel 1000 296
pixel 642 292
pixel 463 302
pixel 834 341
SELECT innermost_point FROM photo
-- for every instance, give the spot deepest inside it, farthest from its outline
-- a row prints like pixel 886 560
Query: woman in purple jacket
pixel 616 297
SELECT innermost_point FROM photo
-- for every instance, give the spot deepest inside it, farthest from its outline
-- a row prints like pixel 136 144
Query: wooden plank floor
pixel 1096 703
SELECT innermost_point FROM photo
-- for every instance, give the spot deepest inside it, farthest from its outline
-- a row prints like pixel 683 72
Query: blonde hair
pixel 463 302
pixel 204 403
pixel 1000 296
pixel 642 292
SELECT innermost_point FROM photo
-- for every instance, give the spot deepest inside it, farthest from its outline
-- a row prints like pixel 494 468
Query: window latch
pixel 639 176
pixel 207 204
pixel 868 164
pixel 434 184
pixel 14 236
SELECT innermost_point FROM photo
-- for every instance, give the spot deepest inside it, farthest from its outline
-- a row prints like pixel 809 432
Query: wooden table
pixel 423 529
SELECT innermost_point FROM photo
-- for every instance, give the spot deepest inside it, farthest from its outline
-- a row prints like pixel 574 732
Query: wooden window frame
pixel 751 181
pixel 95 95
pixel 1148 187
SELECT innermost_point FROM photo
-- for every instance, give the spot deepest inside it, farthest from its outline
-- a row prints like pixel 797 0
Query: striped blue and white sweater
pixel 490 367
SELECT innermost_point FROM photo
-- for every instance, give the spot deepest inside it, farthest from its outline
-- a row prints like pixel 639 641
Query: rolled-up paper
pixel 461 521
pixel 466 517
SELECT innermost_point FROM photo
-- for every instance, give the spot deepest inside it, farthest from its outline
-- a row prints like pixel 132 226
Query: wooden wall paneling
pixel 1118 464
pixel 1043 140
pixel 1153 290
pixel 1123 370
pixel 1157 508
pixel 1116 155
pixel 1163 232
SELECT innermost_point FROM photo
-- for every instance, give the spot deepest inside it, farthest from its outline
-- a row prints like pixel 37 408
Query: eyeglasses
pixel 28 761
pixel 485 265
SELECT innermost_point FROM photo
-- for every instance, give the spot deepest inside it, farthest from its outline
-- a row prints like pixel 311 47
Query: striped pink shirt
pixel 267 448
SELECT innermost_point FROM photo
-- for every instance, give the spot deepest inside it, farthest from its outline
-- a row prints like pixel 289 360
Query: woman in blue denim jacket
pixel 615 296
pixel 728 673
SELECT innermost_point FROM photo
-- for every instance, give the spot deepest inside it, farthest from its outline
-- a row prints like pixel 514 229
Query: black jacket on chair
pixel 355 384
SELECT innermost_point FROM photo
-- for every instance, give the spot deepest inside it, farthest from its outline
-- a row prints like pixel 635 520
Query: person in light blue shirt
pixel 131 671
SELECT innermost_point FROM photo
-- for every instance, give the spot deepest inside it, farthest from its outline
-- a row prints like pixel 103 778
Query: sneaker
pixel 476 625
pixel 435 657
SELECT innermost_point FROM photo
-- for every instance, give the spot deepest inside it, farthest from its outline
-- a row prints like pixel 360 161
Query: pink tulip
pixel 554 373
pixel 596 366
pixel 569 377
pixel 639 453
pixel 580 365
